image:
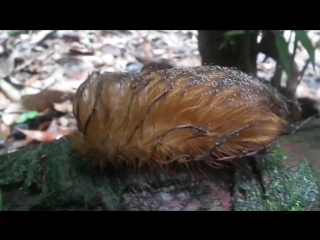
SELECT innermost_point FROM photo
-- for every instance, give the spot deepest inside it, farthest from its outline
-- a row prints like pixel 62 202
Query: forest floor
pixel 39 72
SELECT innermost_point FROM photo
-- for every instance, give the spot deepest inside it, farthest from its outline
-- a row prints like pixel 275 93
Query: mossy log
pixel 50 176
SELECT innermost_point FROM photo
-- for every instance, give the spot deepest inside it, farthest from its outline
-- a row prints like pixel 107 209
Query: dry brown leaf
pixel 7 66
pixel 44 126
pixel 65 107
pixel 1 49
pixel 31 80
pixel 4 101
pixel 54 126
pixel 41 36
pixel 68 86
pixel 44 101
pixel 79 49
pixel 81 75
pixel 64 121
pixel 44 136
pixel 4 131
pixel 71 38
pixel 10 90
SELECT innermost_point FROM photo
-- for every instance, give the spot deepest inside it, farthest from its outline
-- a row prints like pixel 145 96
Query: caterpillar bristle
pixel 176 117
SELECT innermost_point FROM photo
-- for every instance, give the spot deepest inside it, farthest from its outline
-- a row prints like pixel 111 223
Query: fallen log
pixel 51 177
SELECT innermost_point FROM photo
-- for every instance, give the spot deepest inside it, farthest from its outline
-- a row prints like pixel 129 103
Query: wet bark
pixel 241 54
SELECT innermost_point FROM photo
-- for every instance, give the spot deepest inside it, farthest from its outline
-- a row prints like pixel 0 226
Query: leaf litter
pixel 41 70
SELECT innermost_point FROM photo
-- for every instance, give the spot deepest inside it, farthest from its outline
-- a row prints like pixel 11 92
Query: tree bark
pixel 241 55
pixel 268 47
pixel 51 177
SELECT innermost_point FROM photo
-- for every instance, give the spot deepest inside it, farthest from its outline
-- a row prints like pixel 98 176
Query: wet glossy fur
pixel 205 114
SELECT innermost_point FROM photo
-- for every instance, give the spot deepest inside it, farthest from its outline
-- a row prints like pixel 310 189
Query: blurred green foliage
pixel 301 36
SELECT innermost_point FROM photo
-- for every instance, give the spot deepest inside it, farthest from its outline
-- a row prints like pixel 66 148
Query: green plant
pixel 26 116
pixel 301 36
pixel 231 38
pixel 14 32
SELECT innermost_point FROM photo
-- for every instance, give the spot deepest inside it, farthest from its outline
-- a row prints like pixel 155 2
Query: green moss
pixel 45 180
pixel 281 187
pixel 14 167
pixel 289 188
pixel 41 179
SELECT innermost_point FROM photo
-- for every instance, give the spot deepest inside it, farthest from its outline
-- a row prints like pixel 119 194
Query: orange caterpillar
pixel 206 114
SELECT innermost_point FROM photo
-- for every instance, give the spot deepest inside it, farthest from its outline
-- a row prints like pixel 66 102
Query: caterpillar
pixel 205 114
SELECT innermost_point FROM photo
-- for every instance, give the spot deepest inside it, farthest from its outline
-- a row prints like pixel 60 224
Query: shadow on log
pixel 50 177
